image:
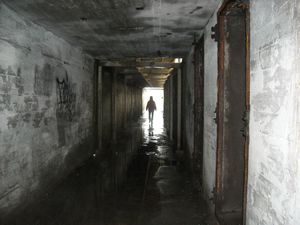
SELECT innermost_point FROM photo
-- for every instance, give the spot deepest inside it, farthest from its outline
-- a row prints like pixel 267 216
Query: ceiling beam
pixel 141 64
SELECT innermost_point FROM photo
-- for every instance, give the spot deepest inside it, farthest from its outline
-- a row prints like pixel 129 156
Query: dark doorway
pixel 232 113
pixel 107 82
pixel 198 111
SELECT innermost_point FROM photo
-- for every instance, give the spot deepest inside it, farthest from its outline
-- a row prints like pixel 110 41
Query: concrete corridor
pixel 76 146
pixel 157 190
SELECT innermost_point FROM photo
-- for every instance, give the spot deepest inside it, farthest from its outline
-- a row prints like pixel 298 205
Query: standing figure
pixel 151 106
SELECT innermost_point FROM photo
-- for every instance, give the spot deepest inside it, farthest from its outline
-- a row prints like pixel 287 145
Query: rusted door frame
pixel 246 155
pixel 227 6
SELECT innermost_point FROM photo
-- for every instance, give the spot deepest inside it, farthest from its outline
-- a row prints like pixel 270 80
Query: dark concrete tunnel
pixel 77 146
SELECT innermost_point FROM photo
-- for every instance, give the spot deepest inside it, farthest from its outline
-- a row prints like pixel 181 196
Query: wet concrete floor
pixel 156 191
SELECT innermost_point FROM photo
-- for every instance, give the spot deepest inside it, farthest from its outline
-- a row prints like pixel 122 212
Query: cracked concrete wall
pixel 274 173
pixel 46 107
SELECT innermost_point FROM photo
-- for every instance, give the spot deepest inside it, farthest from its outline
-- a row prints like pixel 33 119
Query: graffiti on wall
pixel 43 80
pixel 11 83
pixel 66 98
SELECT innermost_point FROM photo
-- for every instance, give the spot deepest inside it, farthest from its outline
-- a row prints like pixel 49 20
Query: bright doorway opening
pixel 157 125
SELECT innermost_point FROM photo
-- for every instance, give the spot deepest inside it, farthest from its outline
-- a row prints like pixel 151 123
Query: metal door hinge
pixel 214 197
pixel 216 115
pixel 215 33
pixel 245 129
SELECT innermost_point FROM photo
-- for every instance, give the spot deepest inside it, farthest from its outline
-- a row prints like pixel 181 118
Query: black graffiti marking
pixel 66 98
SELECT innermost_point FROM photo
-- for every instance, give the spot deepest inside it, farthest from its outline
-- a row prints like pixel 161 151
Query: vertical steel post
pixel 179 100
pixel 100 108
pixel 95 105
pixel 171 108
pixel 113 106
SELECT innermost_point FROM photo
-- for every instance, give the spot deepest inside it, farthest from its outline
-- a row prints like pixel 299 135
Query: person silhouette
pixel 151 107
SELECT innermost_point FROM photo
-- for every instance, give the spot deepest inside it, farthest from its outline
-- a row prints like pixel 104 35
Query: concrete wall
pixel 274 173
pixel 188 104
pixel 121 132
pixel 121 104
pixel 47 114
pixel 170 106
pixel 45 108
pixel 210 102
pixel 129 101
pixel 106 108
pixel 168 113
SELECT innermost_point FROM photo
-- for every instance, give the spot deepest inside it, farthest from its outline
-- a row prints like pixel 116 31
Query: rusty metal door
pixel 198 111
pixel 232 112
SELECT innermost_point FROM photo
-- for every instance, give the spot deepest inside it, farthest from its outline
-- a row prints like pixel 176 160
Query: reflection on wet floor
pixel 156 191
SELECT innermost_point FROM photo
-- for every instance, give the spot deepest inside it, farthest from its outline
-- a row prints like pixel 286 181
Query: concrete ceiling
pixel 119 29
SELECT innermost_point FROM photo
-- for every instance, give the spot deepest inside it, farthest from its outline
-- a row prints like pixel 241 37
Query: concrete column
pixel 179 78
pixel 126 101
pixel 95 106
pixel 171 108
pixel 100 108
pixel 113 106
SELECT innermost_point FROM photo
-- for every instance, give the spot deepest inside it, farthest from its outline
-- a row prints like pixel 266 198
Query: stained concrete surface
pixel 231 111
pixel 274 172
pixel 121 28
pixel 157 191
pixel 210 103
pixel 46 108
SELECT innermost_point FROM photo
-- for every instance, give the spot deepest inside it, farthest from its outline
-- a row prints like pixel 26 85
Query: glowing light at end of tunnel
pixel 178 60
pixel 158 121
pixel 158 97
